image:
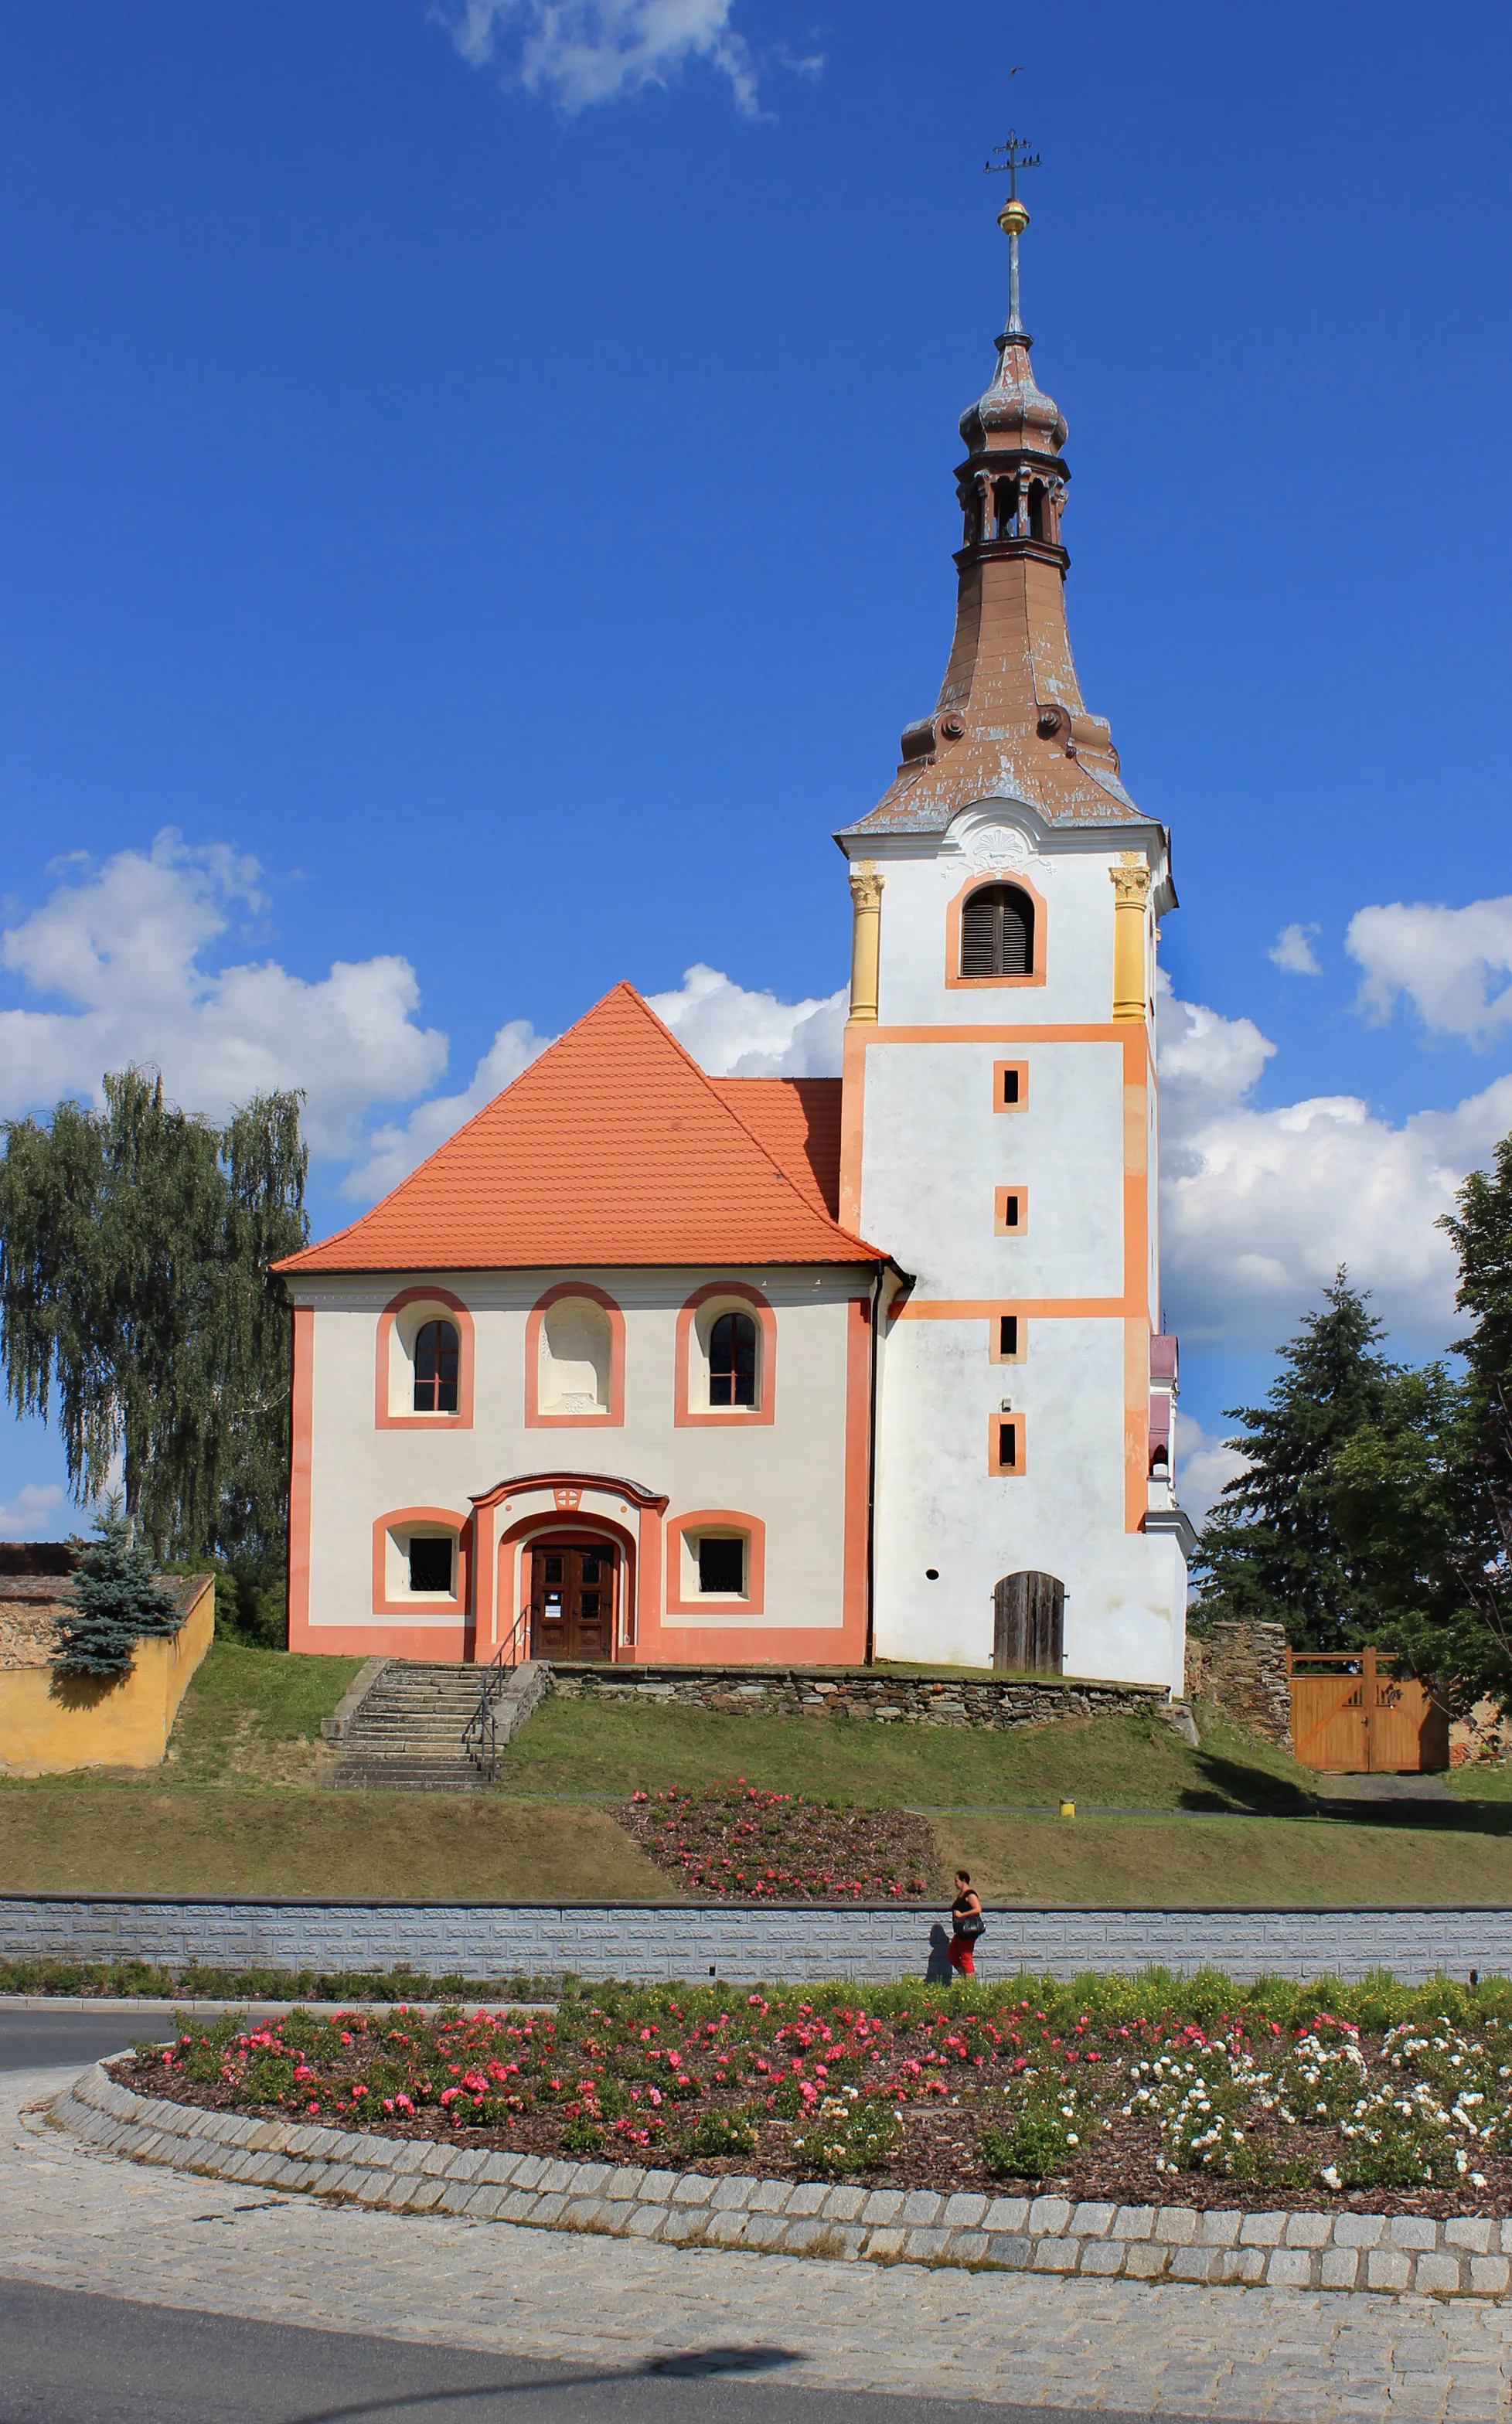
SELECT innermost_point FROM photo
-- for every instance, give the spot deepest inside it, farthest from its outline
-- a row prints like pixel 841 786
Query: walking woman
pixel 967 1922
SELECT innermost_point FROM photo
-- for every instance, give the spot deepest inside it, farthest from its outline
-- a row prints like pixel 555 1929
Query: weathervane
pixel 1008 159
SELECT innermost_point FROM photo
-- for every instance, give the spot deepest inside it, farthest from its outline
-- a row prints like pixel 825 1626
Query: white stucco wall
pixel 934 1149
pixel 790 1474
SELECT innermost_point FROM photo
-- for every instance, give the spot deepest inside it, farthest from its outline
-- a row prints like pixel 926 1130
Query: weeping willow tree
pixel 137 1311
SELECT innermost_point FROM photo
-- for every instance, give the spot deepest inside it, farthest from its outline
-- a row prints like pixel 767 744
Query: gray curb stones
pixel 1465 2258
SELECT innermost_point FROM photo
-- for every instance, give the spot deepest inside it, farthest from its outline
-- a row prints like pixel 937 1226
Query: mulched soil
pixel 936 2149
pixel 739 1841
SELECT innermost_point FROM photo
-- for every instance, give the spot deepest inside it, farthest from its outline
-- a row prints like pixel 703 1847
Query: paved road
pixel 74 2359
pixel 34 2040
pixel 543 2314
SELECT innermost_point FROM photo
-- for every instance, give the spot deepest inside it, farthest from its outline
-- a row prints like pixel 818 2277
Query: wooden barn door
pixel 1028 1623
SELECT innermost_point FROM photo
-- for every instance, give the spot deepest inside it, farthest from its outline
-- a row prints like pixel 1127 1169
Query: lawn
pixel 370 1846
pixel 253 1716
pixel 587 1748
pixel 1163 1862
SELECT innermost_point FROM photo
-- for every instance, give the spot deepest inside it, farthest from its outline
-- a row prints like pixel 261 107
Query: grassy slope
pixel 253 1715
pixel 388 1846
pixel 1152 1861
pixel 572 1747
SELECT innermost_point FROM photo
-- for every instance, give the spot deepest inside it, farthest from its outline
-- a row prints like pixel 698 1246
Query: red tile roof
pixel 613 1148
pixel 798 1120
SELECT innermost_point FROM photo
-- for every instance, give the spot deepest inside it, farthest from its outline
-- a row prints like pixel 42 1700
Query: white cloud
pixel 37 1512
pixel 392 1151
pixel 580 52
pixel 1204 1465
pixel 1292 951
pixel 122 946
pixel 1444 960
pixel 1260 1206
pixel 733 1033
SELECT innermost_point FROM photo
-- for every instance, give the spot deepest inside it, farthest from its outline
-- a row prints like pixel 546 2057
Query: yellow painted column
pixel 1131 890
pixel 865 941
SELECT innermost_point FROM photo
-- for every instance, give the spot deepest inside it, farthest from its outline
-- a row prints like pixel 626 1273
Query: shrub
pixel 118 1599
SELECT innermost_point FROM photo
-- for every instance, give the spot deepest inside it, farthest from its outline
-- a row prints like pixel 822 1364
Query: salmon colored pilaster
pixel 1136 1279
pixel 484 1570
pixel 853 1116
pixel 300 1446
pixel 858 1349
pixel 647 1601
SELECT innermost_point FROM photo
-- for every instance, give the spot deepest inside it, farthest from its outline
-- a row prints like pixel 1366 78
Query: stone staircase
pixel 406 1735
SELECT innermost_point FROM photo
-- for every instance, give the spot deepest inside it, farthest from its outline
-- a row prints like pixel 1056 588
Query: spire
pixel 1010 721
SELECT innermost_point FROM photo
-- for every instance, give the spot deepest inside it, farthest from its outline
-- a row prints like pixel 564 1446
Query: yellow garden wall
pixel 49 1723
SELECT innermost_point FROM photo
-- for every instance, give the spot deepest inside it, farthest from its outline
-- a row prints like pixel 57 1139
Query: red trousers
pixel 960 1955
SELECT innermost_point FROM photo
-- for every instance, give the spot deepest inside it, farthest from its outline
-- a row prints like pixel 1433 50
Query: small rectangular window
pixel 721 1565
pixel 430 1564
pixel 1007 1338
pixel 1010 1085
pixel 1012 1205
pixel 1005 1445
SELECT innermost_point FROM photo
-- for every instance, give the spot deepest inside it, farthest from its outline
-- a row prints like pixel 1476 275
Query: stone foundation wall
pixel 1241 1670
pixel 745 1943
pixel 993 1700
pixel 26 1633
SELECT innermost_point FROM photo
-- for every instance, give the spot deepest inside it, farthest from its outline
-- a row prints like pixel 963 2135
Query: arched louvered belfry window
pixel 437 1361
pixel 997 932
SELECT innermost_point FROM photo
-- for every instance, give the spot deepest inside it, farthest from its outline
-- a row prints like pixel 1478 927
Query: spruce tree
pixel 118 1600
pixel 1276 1547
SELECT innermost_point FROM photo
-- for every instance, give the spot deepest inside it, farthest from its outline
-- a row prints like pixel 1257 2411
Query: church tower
pixel 999 1118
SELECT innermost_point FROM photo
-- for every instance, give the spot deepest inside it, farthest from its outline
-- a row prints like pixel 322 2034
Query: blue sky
pixel 483 479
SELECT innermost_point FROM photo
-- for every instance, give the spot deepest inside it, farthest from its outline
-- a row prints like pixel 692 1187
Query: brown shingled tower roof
pixel 613 1148
pixel 1010 721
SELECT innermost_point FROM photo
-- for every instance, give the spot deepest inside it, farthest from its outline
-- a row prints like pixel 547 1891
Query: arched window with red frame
pixel 732 1361
pixel 438 1364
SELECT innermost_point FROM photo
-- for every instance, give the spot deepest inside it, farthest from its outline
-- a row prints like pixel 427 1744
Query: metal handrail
pixel 480 1735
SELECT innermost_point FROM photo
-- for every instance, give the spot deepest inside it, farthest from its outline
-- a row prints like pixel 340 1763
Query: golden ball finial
pixel 1012 218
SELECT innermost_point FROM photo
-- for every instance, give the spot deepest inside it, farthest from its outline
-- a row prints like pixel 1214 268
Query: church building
pixel 644 1364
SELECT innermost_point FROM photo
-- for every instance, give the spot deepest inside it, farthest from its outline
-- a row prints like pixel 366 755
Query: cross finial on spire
pixel 1008 159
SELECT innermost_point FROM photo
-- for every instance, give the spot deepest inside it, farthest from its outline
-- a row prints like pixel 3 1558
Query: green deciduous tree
pixel 134 1296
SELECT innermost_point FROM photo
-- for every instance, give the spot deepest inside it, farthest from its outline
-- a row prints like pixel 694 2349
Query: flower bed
pixel 741 1842
pixel 1140 2092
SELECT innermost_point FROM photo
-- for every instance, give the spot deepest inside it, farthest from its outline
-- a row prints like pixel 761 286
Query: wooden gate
pixel 1028 1623
pixel 1353 1714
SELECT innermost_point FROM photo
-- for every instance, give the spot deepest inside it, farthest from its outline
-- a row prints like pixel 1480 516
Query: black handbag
pixel 970 1925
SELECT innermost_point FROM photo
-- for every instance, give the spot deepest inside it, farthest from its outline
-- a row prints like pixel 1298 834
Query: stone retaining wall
pixel 998 1701
pixel 1240 1670
pixel 694 1942
pixel 1012 2233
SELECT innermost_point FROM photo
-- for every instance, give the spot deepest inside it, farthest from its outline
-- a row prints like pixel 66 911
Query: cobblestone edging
pixel 1466 2258
pixel 692 1942
pixel 994 1701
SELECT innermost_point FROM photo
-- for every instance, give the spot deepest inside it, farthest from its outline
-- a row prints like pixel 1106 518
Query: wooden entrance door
pixel 572 1599
pixel 1028 1623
